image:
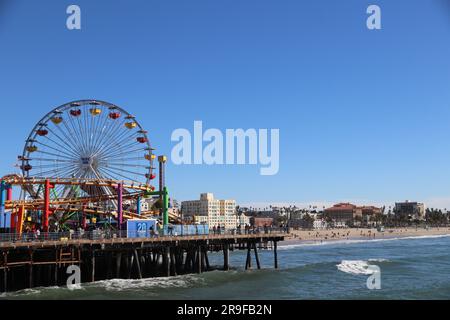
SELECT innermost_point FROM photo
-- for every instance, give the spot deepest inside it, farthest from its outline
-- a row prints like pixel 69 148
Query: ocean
pixel 413 268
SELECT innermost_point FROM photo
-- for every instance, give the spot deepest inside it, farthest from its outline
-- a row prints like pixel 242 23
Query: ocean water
pixel 414 268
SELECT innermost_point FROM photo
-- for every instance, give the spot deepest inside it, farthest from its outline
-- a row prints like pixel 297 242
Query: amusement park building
pixel 211 211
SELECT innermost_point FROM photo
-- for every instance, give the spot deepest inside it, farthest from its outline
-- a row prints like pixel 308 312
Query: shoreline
pixel 337 235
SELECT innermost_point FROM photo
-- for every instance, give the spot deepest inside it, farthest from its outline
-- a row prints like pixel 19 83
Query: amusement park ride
pixel 85 163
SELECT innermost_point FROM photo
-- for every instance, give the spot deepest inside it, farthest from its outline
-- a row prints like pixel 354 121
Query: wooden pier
pixel 44 263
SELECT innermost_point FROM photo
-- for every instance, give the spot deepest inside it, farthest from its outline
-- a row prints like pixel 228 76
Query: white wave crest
pixel 355 267
pixel 161 282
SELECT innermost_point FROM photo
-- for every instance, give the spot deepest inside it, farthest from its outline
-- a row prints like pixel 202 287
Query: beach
pixel 362 233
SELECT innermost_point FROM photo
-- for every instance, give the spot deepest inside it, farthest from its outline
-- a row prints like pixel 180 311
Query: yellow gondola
pixel 150 157
pixel 131 125
pixel 32 148
pixel 95 111
pixel 57 120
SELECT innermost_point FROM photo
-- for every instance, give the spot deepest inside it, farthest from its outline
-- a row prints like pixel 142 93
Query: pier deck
pixel 238 238
pixel 45 262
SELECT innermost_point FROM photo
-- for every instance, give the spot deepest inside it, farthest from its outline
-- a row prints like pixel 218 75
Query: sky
pixel 363 114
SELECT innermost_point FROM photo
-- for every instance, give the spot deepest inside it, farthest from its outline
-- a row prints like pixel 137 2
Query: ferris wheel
pixel 88 140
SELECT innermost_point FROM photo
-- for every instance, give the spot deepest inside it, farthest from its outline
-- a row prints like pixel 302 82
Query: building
pixel 147 204
pixel 344 214
pixel 341 213
pixel 261 222
pixel 243 220
pixel 410 210
pixel 320 224
pixel 212 211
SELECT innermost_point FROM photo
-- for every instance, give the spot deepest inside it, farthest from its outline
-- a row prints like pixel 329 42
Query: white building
pixel 320 224
pixel 215 212
pixel 243 220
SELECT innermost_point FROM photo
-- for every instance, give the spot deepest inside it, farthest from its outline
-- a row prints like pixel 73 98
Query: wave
pixel 182 281
pixel 355 267
pixel 352 241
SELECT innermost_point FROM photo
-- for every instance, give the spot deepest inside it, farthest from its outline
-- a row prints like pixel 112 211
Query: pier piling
pixel 256 256
pixel 226 257
pixel 275 255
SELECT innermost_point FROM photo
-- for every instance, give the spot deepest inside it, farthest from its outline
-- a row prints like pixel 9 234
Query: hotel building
pixel 211 211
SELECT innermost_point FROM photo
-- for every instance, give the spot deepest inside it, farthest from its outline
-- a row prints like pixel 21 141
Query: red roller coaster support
pixel 8 193
pixel 47 187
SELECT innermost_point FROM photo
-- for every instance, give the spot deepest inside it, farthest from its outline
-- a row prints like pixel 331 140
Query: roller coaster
pixel 85 163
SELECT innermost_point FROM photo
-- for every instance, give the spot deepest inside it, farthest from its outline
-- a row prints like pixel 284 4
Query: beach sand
pixel 361 233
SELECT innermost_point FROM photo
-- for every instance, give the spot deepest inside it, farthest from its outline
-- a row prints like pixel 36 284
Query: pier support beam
pixel 248 263
pixel 256 256
pixel 206 259
pixel 275 255
pixel 30 270
pixel 226 257
pixel 130 265
pixel 138 264
pixel 173 261
pixel 5 271
pixel 199 259
pixel 93 266
pixel 167 261
pixel 118 262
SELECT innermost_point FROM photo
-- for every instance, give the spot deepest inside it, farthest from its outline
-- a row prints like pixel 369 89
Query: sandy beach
pixel 362 233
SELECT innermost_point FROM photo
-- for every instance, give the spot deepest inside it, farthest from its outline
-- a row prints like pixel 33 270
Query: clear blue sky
pixel 363 115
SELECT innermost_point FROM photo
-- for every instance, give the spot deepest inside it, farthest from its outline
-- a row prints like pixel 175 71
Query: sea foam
pixel 355 267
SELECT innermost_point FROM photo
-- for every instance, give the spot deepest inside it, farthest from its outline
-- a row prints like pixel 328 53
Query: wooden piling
pixel 138 265
pixel 130 267
pixel 275 255
pixel 93 266
pixel 56 274
pixel 199 259
pixel 5 271
pixel 173 261
pixel 118 262
pixel 226 257
pixel 248 264
pixel 256 256
pixel 167 261
pixel 207 260
pixel 30 270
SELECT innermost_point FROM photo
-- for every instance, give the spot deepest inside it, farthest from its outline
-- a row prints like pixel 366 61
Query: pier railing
pixel 113 234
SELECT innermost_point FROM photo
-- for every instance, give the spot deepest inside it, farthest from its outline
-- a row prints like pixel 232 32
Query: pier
pixel 44 262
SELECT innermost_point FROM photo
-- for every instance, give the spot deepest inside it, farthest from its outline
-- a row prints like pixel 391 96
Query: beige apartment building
pixel 212 211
